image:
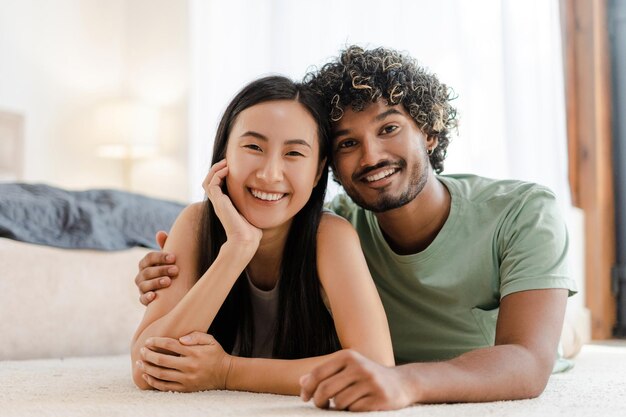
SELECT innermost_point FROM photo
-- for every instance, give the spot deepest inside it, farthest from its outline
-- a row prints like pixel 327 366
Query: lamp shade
pixel 127 129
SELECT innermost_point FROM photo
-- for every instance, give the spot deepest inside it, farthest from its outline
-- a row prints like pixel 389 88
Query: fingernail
pixel 163 281
pixel 139 364
pixel 150 295
pixel 185 339
pixel 172 270
pixel 303 379
pixel 144 376
pixel 169 258
pixel 142 350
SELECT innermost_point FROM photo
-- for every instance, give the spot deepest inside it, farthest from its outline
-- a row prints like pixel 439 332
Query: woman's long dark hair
pixel 304 326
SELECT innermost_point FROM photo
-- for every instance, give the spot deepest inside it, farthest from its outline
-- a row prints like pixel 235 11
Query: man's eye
pixel 389 129
pixel 346 144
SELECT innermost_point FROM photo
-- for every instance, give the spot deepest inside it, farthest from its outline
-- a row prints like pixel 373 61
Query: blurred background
pixel 127 94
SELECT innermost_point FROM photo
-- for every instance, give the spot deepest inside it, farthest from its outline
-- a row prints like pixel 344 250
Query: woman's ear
pixel 320 171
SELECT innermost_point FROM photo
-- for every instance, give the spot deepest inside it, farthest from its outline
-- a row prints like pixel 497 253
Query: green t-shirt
pixel 500 237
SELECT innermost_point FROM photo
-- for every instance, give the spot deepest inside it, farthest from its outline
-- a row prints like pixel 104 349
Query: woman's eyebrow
pixel 254 134
pixel 265 139
pixel 297 142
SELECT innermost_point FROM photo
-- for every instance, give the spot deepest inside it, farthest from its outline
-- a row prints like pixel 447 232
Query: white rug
pixel 102 387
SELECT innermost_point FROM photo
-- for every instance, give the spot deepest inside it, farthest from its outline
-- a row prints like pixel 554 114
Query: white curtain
pixel 502 57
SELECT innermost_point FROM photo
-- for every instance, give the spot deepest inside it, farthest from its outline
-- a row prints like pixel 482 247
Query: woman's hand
pixel 197 362
pixel 238 229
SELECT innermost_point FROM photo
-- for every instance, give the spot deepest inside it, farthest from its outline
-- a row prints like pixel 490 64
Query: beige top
pixel 264 311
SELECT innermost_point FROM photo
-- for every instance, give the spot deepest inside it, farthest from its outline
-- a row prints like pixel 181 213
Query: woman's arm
pixel 184 307
pixel 357 311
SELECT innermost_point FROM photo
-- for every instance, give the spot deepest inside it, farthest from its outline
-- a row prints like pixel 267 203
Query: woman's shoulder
pixel 188 220
pixel 192 213
pixel 334 228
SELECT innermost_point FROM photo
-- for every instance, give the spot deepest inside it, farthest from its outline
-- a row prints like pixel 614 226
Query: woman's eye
pixel 294 153
pixel 253 147
pixel 389 129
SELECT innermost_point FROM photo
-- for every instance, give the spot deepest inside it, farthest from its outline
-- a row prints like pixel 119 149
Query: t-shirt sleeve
pixel 341 205
pixel 533 245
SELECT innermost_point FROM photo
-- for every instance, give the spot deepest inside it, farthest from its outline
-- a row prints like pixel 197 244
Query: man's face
pixel 380 156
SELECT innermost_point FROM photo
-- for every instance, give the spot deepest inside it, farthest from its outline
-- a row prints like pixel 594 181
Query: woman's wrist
pixel 242 251
pixel 227 366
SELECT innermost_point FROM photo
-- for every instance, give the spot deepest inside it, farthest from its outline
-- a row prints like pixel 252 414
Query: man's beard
pixel 385 202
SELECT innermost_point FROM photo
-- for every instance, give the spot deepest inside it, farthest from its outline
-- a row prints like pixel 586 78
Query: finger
pixel 163 385
pixel 161 237
pixel 156 277
pixel 309 383
pixel 197 338
pixel 214 188
pixel 156 258
pixel 332 386
pixel 147 298
pixel 367 403
pixel 163 360
pixel 168 344
pixel 216 167
pixel 163 374
pixel 351 394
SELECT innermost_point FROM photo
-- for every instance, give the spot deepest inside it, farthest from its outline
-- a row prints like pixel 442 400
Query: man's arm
pixel 517 367
pixel 156 271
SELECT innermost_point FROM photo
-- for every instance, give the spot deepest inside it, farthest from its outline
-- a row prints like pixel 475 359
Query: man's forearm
pixel 504 372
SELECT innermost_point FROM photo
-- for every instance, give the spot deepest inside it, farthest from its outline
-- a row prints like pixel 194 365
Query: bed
pixel 67 261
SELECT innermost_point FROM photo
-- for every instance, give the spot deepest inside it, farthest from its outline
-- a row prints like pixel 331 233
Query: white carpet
pixel 102 387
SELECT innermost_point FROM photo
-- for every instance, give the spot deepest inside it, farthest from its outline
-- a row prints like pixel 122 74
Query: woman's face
pixel 273 162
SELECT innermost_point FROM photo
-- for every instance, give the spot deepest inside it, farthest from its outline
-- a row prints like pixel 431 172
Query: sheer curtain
pixel 502 57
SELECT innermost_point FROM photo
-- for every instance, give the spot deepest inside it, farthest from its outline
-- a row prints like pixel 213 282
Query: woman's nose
pixel 271 171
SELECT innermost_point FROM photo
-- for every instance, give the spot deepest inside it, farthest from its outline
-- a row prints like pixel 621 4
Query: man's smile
pixel 380 175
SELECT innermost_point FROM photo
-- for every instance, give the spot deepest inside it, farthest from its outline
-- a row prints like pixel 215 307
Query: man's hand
pixel 197 362
pixel 355 383
pixel 156 271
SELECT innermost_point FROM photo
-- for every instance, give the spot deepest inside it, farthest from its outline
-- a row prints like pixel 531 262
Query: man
pixel 471 271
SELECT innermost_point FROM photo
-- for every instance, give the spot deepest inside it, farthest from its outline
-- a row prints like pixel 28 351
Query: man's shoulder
pixel 343 206
pixel 479 189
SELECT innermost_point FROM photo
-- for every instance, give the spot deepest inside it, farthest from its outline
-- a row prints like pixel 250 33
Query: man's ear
pixel 432 142
pixel 320 171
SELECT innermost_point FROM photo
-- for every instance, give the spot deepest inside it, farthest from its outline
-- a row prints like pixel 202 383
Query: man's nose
pixel 272 170
pixel 372 151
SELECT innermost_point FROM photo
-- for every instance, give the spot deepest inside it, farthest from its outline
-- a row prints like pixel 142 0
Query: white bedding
pixel 59 303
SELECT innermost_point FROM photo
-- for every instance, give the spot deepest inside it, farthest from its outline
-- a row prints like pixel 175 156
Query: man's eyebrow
pixel 389 112
pixel 264 138
pixel 378 118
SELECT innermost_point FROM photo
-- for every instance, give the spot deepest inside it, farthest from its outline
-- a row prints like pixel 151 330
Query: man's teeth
pixel 267 196
pixel 380 175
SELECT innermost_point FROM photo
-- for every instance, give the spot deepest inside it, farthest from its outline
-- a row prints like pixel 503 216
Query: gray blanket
pixel 92 219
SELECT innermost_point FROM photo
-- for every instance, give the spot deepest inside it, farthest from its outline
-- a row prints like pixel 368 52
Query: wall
pixel 60 60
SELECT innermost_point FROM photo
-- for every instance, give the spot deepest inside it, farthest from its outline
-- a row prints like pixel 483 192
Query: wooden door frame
pixel 587 67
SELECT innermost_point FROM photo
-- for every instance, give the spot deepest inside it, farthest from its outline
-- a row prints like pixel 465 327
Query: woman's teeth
pixel 266 196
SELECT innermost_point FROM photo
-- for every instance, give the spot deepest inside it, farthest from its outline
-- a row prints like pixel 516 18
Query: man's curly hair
pixel 360 77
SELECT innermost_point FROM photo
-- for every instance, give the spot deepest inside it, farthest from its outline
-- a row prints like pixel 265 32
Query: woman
pixel 261 266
